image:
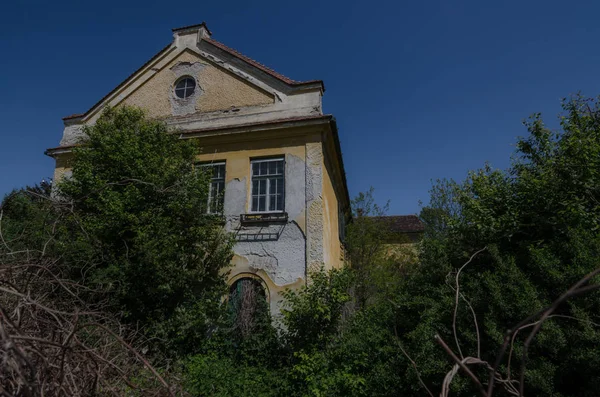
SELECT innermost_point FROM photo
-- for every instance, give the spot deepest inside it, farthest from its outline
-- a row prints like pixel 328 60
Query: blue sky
pixel 421 90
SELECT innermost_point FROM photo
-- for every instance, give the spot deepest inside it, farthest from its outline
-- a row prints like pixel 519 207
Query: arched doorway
pixel 248 305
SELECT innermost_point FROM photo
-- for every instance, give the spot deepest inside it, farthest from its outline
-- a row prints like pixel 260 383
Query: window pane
pixel 280 202
pixel 216 195
pixel 272 186
pixel 268 184
pixel 262 186
pixel 219 189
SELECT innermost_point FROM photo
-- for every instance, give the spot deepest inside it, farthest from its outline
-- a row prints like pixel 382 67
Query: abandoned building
pixel 275 155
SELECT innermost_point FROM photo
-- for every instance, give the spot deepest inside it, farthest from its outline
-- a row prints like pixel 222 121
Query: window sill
pixel 263 217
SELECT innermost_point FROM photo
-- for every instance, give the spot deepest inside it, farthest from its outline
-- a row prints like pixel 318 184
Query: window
pixel 268 185
pixel 216 193
pixel 185 87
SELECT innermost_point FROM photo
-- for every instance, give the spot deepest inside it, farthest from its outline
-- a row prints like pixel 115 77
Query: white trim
pixel 210 185
pixel 267 195
pixel 260 160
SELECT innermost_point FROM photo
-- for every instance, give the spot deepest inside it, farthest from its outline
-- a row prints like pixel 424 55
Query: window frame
pixel 266 177
pixel 209 200
pixel 185 88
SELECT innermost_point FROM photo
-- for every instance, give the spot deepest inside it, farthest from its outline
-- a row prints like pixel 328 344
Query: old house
pixel 278 174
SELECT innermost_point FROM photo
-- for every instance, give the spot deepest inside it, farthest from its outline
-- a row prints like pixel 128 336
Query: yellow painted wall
pixel 61 167
pixel 237 159
pixel 237 151
pixel 222 89
pixel 331 237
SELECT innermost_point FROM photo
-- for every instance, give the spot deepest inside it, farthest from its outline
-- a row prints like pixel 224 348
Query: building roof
pixel 402 223
pixel 260 66
pixel 198 25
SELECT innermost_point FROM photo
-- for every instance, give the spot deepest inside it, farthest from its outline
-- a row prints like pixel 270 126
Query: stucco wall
pixel 331 237
pixel 279 259
pixel 314 205
pixel 279 262
pixel 62 167
pixel 217 89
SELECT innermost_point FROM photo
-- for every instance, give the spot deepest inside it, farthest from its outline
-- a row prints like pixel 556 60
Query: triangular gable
pixel 217 89
pixel 226 80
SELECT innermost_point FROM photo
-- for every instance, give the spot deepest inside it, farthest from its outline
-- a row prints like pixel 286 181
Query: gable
pixel 231 89
pixel 217 89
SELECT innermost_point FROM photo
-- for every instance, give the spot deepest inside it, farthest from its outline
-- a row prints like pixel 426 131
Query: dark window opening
pixel 248 305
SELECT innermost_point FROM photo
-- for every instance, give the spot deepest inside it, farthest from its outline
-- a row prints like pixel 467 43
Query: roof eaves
pixel 338 149
pixel 262 67
pixel 276 122
pixel 317 118
pixel 73 116
pixel 402 223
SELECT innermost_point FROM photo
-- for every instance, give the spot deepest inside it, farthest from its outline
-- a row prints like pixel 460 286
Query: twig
pixel 412 362
pixel 462 365
pixel 456 303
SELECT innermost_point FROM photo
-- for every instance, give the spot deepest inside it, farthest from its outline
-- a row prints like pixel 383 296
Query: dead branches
pixel 535 321
pixel 53 343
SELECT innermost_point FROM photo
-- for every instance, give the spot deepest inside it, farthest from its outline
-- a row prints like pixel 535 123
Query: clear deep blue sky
pixel 421 89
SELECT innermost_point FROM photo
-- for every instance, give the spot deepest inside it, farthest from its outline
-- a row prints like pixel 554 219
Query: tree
pixel 131 222
pixel 366 237
pixel 537 224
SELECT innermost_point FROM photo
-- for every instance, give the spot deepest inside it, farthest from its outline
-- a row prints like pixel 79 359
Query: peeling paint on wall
pixel 219 89
pixel 314 203
pixel 183 106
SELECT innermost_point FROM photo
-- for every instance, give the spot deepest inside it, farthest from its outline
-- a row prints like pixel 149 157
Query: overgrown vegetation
pixel 129 230
pixel 126 238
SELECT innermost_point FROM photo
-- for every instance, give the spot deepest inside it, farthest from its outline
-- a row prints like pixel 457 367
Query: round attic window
pixel 185 87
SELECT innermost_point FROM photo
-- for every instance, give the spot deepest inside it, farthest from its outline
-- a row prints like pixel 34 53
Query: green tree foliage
pixel 366 237
pixel 136 192
pixel 131 223
pixel 539 223
pixel 497 247
pixel 534 230
pixel 314 312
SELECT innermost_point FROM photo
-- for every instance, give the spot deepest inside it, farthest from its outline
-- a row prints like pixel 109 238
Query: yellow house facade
pixel 278 174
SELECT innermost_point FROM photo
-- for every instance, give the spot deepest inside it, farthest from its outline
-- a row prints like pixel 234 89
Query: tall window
pixel 216 193
pixel 268 185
